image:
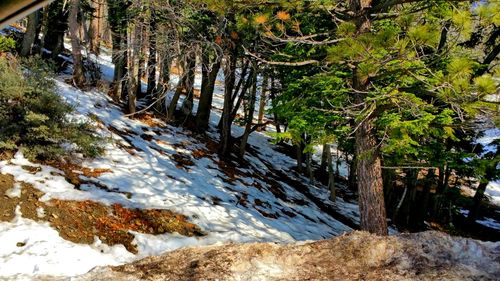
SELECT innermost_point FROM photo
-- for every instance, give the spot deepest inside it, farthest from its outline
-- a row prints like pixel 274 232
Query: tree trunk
pixel 209 76
pixel 229 81
pixel 263 99
pixel 187 105
pixel 405 204
pixel 31 33
pixel 478 198
pixel 250 112
pixel 142 42
pixel 369 178
pixel 324 157
pixel 331 174
pixel 309 169
pixel 165 60
pixel 181 87
pixel 133 61
pixel 273 98
pixel 241 95
pixel 57 24
pixel 351 178
pixel 368 168
pixel 95 25
pixel 299 157
pixel 117 23
pixel 152 61
pixel 76 49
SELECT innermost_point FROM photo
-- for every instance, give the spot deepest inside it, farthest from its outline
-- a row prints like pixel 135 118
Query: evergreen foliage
pixel 33 117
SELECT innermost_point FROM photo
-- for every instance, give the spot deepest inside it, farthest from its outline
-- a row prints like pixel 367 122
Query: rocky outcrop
pixel 356 256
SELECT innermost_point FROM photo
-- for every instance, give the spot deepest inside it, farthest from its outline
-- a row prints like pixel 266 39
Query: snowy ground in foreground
pixel 154 181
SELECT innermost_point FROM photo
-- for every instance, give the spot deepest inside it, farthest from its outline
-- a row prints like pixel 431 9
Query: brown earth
pixel 81 221
pixel 357 256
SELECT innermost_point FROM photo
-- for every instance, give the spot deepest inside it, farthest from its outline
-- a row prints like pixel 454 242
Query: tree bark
pixel 263 99
pixel 31 33
pixel 273 98
pixel 369 178
pixel 209 76
pixel 76 49
pixel 324 157
pixel 57 24
pixel 229 82
pixel 368 168
pixel 95 27
pixel 133 68
pixel 478 198
pixel 299 157
pixel 331 174
pixel 165 59
pixel 152 60
pixel 117 23
pixel 250 112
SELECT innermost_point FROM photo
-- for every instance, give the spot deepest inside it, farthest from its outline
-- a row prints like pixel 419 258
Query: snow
pixel 486 140
pixel 32 249
pixel 152 178
pixel 493 192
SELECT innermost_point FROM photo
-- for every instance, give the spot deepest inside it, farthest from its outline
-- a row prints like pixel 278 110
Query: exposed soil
pixel 81 221
pixel 357 256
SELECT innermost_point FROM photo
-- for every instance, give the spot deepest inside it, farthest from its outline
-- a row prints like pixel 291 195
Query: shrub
pixel 7 44
pixel 34 118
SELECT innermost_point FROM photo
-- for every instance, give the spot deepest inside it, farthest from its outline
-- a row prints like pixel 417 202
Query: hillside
pixel 356 256
pixel 149 165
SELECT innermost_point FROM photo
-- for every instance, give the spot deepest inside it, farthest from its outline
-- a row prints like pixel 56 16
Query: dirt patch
pixel 149 119
pixel 357 256
pixel 81 221
pixel 200 153
pixel 183 161
pixel 72 172
pixel 6 155
pixel 31 169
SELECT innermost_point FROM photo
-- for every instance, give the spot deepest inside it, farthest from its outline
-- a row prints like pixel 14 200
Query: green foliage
pixel 33 117
pixel 7 44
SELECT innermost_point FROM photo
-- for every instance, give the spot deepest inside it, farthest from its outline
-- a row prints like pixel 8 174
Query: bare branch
pixel 284 63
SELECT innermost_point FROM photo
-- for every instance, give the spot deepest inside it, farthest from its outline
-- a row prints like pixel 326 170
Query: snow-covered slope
pixel 164 167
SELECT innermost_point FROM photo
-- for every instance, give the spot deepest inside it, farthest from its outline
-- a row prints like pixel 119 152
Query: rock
pixel 356 256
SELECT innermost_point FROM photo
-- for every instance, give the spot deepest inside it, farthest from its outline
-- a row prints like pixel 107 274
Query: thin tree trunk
pixel 351 178
pixel 95 24
pixel 209 76
pixel 273 98
pixel 181 87
pixel 133 50
pixel 76 50
pixel 331 175
pixel 165 60
pixel 263 99
pixel 309 167
pixel 57 24
pixel 241 95
pixel 478 198
pixel 30 35
pixel 299 158
pixel 250 112
pixel 324 157
pixel 117 24
pixel 142 42
pixel 152 61
pixel 187 105
pixel 229 82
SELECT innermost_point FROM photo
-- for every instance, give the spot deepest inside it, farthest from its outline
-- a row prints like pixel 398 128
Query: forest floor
pixel 157 188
